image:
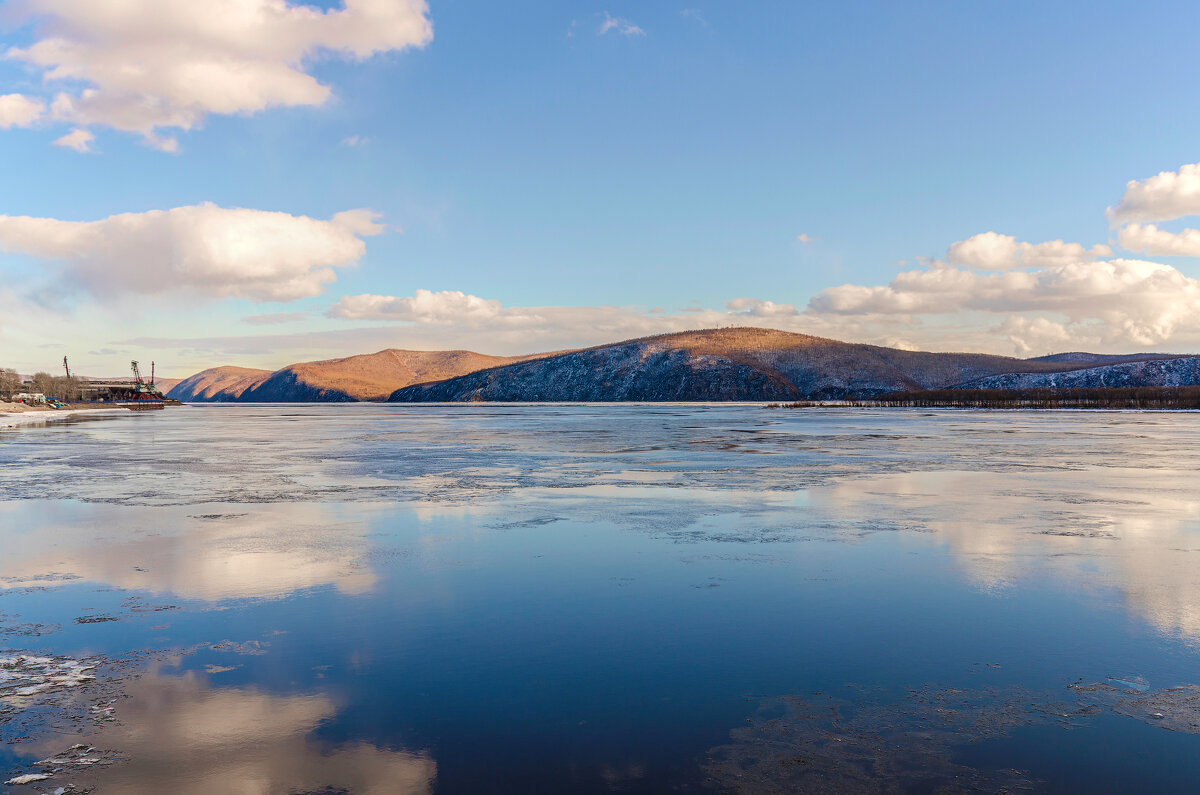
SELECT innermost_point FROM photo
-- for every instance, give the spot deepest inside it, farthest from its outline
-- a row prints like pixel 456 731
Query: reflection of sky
pixel 605 577
pixel 212 553
pixel 1126 529
pixel 180 735
pixel 1010 493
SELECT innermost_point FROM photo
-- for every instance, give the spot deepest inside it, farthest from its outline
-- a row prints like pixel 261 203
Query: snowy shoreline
pixel 19 418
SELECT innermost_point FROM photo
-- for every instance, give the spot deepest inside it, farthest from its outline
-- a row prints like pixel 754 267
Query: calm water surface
pixel 468 599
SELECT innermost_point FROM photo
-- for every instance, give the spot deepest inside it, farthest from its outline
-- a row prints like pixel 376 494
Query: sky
pixel 262 182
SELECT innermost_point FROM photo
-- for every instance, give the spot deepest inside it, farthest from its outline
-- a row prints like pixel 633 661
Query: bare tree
pixel 10 383
pixel 44 383
pixel 58 386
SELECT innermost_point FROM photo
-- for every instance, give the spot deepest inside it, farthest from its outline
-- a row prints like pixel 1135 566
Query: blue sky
pixel 594 172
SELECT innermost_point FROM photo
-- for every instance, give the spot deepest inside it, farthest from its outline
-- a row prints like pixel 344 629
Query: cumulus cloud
pixel 1168 195
pixel 78 139
pixel 1030 334
pixel 216 251
pixel 456 308
pixel 755 307
pixel 622 26
pixel 425 306
pixel 805 237
pixel 150 65
pixel 452 318
pixel 275 318
pixel 1135 300
pixel 1046 296
pixel 19 111
pixel 994 252
pixel 1149 239
pixel 558 325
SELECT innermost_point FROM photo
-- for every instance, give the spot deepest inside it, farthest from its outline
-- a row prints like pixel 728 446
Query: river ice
pixel 599 598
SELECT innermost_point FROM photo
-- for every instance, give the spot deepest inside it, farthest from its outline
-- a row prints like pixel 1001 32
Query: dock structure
pixel 133 392
pixel 114 392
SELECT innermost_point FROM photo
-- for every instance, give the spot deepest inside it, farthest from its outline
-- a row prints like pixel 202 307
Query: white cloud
pixel 1149 239
pixel 78 139
pixel 805 237
pixel 488 322
pixel 1134 301
pixel 1170 194
pixel 17 110
pixel 425 306
pixel 355 140
pixel 622 26
pixel 216 251
pixel 993 252
pixel 1034 334
pixel 153 65
pixel 456 308
pixel 275 318
pixel 1047 296
pixel 754 307
pixel 456 319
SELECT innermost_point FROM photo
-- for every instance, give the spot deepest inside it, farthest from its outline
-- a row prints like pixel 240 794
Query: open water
pixel 616 598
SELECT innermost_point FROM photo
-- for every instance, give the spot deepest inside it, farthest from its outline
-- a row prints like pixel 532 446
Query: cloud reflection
pixel 1105 527
pixel 180 735
pixel 248 552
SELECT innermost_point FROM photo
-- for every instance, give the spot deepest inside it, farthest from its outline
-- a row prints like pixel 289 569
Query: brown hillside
pixel 374 376
pixel 218 383
pixel 371 376
pixel 725 364
pixel 165 385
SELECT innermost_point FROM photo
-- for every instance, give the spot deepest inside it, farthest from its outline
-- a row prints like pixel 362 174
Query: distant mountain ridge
pixel 1079 357
pixel 217 384
pixel 726 364
pixel 371 376
pixel 1177 371
pixel 714 364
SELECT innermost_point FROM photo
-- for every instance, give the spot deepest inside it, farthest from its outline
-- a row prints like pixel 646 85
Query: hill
pixel 1090 359
pixel 724 364
pixel 371 376
pixel 1176 371
pixel 217 384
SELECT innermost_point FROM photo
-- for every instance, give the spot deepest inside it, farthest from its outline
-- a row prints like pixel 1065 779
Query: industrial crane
pixel 140 386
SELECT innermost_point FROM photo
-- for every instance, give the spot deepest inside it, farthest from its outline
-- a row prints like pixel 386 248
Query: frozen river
pixel 618 598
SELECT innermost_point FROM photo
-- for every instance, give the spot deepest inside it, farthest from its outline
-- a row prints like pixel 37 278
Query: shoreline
pixel 28 415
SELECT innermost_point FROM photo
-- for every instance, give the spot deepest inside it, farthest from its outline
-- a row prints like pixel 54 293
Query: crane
pixel 138 384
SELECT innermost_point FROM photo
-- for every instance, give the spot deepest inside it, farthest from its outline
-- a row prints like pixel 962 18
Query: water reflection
pixel 179 734
pixel 1106 527
pixel 209 553
pixel 576 598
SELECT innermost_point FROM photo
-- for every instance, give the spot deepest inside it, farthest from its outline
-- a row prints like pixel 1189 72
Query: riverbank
pixel 14 414
pixel 1160 398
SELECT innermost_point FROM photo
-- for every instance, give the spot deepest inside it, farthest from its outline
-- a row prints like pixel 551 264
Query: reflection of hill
pixel 257 554
pixel 1106 527
pixel 180 735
